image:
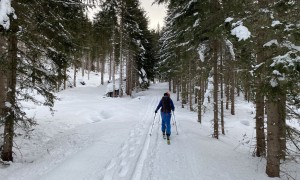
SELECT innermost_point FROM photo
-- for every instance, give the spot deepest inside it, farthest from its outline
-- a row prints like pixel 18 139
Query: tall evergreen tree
pixel 40 43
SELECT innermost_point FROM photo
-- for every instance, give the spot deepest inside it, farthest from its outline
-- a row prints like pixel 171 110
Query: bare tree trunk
pixel 102 69
pixel 227 87
pixel 282 125
pixel 232 87
pixel 2 84
pixel 174 83
pixel 114 63
pixel 129 76
pixel 11 94
pixel 221 84
pixel 2 93
pixel 75 75
pixel 65 77
pixel 216 88
pixel 98 65
pixel 89 63
pixel 170 84
pixel 121 51
pixel 259 97
pixel 82 65
pixel 110 66
pixel 190 93
pixel 273 144
pixel 200 101
pixel 183 92
pixel 260 134
pixel 178 90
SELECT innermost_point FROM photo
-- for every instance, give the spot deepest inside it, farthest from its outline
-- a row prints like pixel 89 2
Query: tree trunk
pixel 82 65
pixel 114 63
pixel 200 102
pixel 102 70
pixel 2 93
pixel 129 76
pixel 11 94
pixel 221 86
pixel 273 144
pixel 110 66
pixel 98 65
pixel 2 84
pixel 75 75
pixel 232 87
pixel 89 63
pixel 216 88
pixel 227 87
pixel 282 125
pixel 183 91
pixel 65 77
pixel 121 51
pixel 178 90
pixel 259 97
pixel 174 84
pixel 260 133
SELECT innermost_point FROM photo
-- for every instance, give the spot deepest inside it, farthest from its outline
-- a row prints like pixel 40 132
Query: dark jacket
pixel 160 105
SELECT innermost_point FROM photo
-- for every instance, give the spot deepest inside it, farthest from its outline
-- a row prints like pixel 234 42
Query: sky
pixel 156 13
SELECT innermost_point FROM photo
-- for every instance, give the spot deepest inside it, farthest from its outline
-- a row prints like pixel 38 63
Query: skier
pixel 166 105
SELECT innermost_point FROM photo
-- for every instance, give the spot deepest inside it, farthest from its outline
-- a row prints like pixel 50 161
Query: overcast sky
pixel 155 13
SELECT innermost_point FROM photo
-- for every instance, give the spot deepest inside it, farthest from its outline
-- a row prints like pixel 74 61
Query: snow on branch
pixel 201 52
pixel 240 31
pixel 5 11
pixel 230 47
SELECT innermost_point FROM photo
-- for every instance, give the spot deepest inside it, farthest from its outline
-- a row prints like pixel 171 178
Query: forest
pixel 208 51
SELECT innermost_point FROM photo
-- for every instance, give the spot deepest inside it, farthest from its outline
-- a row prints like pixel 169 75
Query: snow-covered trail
pixel 92 137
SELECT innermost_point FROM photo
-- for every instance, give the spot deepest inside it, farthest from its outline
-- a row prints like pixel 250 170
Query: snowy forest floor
pixel 91 136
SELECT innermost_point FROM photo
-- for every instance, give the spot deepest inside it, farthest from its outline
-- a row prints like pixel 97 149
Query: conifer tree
pixel 39 45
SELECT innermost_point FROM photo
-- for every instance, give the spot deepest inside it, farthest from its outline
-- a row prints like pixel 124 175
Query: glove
pixel 155 111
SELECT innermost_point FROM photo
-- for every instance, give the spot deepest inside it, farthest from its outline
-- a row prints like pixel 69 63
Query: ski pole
pixel 175 122
pixel 159 118
pixel 152 125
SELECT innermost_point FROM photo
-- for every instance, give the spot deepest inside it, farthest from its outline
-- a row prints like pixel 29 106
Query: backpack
pixel 166 104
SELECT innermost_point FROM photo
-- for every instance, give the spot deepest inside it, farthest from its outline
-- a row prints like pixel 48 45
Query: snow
pixel 196 24
pixel 229 19
pixel 274 23
pixel 273 82
pixel 270 43
pixel 230 47
pixel 201 52
pixel 94 137
pixel 110 86
pixel 8 104
pixel 5 11
pixel 241 32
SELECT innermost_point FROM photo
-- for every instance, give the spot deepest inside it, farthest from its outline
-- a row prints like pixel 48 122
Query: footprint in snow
pixel 123 171
pixel 111 164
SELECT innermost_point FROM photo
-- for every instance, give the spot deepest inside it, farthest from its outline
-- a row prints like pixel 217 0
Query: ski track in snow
pixel 133 153
pixel 166 161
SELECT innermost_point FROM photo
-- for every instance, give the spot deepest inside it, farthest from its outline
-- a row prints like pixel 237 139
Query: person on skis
pixel 166 105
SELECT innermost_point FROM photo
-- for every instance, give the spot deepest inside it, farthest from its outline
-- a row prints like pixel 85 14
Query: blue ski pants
pixel 166 123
